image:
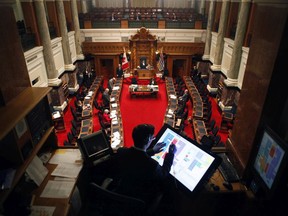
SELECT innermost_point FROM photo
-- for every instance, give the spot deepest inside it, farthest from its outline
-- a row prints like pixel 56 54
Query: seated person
pixel 136 174
pixel 143 64
pixel 111 83
pixel 106 98
pixel 180 110
pixel 184 98
pixel 106 117
pixel 152 82
pixel 79 106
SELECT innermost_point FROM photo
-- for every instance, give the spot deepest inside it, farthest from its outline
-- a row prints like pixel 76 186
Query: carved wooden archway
pixel 143 44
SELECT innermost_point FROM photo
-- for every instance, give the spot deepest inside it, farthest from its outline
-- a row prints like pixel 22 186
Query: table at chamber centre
pixel 143 89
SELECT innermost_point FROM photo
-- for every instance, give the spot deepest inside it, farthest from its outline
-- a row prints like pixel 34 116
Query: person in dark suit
pixel 138 174
pixel 106 97
pixel 143 64
pixel 184 98
pixel 119 71
pixel 134 80
pixel 111 83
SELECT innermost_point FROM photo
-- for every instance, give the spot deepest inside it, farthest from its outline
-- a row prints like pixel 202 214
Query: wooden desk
pixel 199 129
pixel 62 204
pixel 145 74
pixel 136 90
pixel 227 121
pixel 58 121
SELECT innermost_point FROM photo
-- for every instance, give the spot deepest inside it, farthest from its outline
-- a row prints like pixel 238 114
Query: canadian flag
pixel 125 63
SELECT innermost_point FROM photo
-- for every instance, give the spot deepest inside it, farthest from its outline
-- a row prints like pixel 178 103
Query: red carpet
pixel 140 110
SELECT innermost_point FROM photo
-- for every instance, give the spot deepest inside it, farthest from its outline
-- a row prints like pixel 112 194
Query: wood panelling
pixel 124 24
pixel 30 20
pixel 261 64
pixel 182 48
pixel 161 24
pixel 104 48
pixel 13 70
pixel 53 17
pixel 249 31
pixel 68 15
pixel 215 25
pixel 232 20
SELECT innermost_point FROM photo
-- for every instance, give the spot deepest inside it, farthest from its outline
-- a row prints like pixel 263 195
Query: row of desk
pixel 117 133
pixel 172 102
pixel 87 112
pixel 199 126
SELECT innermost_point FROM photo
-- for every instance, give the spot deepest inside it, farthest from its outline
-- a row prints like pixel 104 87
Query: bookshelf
pixel 26 128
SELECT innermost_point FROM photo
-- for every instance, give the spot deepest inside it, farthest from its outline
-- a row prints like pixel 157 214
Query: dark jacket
pixel 139 175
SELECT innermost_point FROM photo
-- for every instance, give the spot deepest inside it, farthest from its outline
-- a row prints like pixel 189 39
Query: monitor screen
pixel 269 162
pixel 94 146
pixel 192 165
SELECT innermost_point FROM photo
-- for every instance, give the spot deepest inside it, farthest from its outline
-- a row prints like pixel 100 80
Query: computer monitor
pixel 269 164
pixel 94 147
pixel 193 165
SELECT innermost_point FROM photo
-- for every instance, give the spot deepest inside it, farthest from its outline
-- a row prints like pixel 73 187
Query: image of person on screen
pixel 138 174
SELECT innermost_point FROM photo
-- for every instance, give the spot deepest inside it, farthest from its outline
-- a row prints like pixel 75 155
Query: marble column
pixel 202 7
pixel 84 6
pixel 52 73
pixel 206 55
pixel 193 3
pixel 94 3
pixel 79 52
pixel 64 34
pixel 232 73
pixel 220 36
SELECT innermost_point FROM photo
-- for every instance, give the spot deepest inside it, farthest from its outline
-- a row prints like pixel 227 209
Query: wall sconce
pixel 129 52
pixel 157 52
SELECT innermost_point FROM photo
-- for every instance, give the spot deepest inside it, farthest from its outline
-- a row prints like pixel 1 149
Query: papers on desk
pixel 69 164
pixel 112 99
pixel 115 88
pixel 87 98
pixel 66 156
pixel 173 96
pixel 114 105
pixel 86 106
pixel 56 114
pixel 58 189
pixel 114 121
pixel 169 115
pixel 68 170
pixel 36 170
pixel 154 87
pixel 116 139
pixel 42 210
pixel 90 93
pixel 113 116
pixel 170 112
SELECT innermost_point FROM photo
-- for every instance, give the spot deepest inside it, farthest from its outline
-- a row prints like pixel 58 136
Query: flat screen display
pixel 192 164
pixel 94 146
pixel 268 159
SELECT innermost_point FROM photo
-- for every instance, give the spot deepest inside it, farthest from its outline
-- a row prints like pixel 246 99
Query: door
pixel 178 68
pixel 106 68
